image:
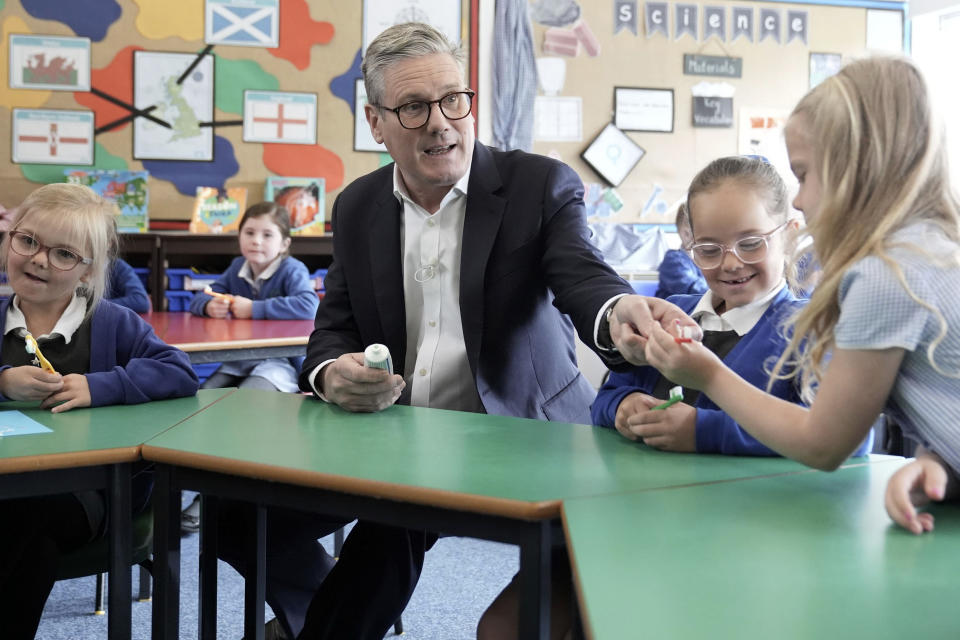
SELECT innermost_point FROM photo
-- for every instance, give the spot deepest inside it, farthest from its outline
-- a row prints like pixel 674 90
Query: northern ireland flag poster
pixel 246 23
pixel 52 136
pixel 276 116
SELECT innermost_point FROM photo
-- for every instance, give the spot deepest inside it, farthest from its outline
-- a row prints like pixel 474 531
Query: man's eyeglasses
pixel 453 106
pixel 749 250
pixel 60 258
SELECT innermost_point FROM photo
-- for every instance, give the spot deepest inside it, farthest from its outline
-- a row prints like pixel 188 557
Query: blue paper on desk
pixel 16 423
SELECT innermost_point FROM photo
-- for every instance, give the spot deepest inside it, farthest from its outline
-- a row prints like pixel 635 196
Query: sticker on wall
pixel 823 65
pixel 558 118
pixel 625 16
pixel 554 13
pixel 277 116
pixel 49 62
pixel 300 33
pixel 52 136
pixel 88 18
pixel 797 26
pixel 245 23
pixel 770 24
pixel 742 23
pixel 362 136
pixel 685 21
pixel 655 18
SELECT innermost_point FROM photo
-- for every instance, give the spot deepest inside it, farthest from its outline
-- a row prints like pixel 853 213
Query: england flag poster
pixel 276 116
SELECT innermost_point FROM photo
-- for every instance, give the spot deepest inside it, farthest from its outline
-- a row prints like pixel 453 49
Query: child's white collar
pixel 70 320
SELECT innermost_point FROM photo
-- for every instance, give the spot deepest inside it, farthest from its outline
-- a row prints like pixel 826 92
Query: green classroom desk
pixel 809 555
pixel 93 449
pixel 459 473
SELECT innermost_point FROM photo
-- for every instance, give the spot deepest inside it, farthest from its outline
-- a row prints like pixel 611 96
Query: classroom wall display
pixel 218 210
pixel 180 87
pixel 444 15
pixel 822 66
pixel 276 116
pixel 774 75
pixel 303 198
pixel 612 154
pixel 126 189
pixel 244 23
pixel 362 136
pixel 317 52
pixel 52 136
pixel 712 111
pixel 49 62
pixel 639 109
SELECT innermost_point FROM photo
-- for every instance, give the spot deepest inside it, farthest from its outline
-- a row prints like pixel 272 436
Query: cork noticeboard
pixel 774 75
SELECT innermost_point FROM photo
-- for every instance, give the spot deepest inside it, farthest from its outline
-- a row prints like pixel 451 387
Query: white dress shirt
pixel 436 367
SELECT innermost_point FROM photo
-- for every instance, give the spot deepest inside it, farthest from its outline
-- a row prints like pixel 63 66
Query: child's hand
pixel 29 383
pixel 689 364
pixel 74 394
pixel 671 429
pixel 631 405
pixel 633 320
pixel 915 485
pixel 241 307
pixel 217 308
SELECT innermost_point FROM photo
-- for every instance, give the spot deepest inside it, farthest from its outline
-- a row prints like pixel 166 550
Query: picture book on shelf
pixel 303 198
pixel 128 189
pixel 218 210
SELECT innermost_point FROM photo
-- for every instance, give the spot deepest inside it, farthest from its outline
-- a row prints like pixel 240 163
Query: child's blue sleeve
pixel 603 411
pixel 719 433
pixel 297 299
pixel 126 288
pixel 198 303
pixel 143 367
pixel 678 274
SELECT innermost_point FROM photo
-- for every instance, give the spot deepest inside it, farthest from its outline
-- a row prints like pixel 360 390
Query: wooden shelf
pixel 157 246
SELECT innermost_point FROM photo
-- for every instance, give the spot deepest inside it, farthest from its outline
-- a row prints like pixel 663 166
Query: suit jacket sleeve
pixel 335 329
pixel 581 281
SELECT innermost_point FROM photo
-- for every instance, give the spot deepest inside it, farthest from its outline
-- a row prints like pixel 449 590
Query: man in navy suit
pixel 474 267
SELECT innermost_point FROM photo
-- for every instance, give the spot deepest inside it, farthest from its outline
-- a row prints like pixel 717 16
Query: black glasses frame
pixel 470 93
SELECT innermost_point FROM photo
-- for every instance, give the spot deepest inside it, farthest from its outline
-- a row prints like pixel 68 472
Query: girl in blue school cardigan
pixel 55 255
pixel 738 208
pixel 263 283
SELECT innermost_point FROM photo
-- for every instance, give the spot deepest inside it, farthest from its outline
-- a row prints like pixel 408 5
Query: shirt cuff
pixel 312 378
pixel 599 319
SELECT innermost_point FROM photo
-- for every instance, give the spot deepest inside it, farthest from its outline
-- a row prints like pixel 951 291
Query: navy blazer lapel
pixel 481 225
pixel 386 269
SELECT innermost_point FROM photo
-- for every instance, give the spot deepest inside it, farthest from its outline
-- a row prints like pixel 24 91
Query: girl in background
pixel 264 283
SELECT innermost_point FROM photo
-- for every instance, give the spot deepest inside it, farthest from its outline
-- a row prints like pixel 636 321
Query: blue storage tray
pixel 178 300
pixel 144 274
pixel 645 287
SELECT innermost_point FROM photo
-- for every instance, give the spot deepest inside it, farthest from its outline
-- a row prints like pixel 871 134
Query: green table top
pixel 810 555
pixel 94 435
pixel 474 462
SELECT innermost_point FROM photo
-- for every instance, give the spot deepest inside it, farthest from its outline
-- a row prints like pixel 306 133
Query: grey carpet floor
pixel 461 577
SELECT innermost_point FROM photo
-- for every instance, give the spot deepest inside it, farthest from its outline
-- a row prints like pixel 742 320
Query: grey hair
pixel 399 42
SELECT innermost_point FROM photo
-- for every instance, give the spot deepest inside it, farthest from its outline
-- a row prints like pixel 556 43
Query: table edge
pixel 49 461
pixel 517 509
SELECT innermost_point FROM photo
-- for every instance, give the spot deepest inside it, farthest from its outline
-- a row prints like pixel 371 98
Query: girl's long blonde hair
pixel 882 163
